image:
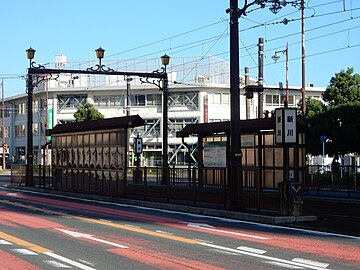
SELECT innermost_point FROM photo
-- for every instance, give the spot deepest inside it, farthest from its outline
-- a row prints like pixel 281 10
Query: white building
pixel 198 92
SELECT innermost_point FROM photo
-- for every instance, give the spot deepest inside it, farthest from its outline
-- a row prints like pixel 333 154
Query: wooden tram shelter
pixel 91 156
pixel 262 159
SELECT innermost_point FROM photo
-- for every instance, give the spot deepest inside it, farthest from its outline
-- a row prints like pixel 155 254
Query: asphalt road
pixel 40 231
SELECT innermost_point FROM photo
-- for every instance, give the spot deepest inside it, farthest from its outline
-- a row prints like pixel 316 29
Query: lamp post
pixel 3 127
pixel 276 57
pixel 303 76
pixel 30 53
pixel 165 59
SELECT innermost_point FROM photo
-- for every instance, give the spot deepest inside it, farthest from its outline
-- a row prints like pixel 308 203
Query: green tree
pixel 313 106
pixel 344 87
pixel 338 119
pixel 340 125
pixel 87 112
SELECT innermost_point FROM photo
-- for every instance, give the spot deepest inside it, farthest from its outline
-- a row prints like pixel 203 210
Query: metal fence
pixel 333 178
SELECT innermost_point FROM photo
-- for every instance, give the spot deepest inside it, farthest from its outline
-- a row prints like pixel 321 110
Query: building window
pixel 225 99
pixel 36 105
pixel 20 131
pixel 109 101
pixel 7 132
pixel 20 153
pixel 137 100
pixel 268 100
pixel 71 101
pixel 219 98
pixel 21 108
pixel 116 100
pixel 7 111
pixel 291 100
pixel 35 128
pixel 272 100
pixel 153 99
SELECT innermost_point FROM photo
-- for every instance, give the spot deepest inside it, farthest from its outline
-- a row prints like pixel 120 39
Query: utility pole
pixel 3 127
pixel 286 101
pixel 261 77
pixel 303 85
pixel 235 179
pixel 248 100
pixel 46 161
pixel 128 80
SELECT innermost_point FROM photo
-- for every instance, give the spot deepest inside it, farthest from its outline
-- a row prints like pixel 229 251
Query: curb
pixel 182 208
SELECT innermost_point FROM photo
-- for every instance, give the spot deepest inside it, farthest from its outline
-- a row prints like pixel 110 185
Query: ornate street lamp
pixel 30 54
pixel 100 52
pixel 165 59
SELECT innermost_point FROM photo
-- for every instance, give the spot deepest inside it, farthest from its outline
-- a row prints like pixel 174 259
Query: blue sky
pixel 126 29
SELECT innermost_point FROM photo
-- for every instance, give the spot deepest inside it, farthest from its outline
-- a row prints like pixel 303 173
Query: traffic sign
pixel 323 138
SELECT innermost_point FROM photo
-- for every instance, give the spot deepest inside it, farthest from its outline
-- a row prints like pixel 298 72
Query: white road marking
pixel 25 251
pixel 284 265
pixel 4 242
pixel 311 262
pixel 264 257
pixel 88 236
pixel 132 226
pixel 211 228
pixel 86 262
pixel 68 261
pixel 205 241
pixel 57 264
pixel 158 231
pixel 253 250
pixel 105 220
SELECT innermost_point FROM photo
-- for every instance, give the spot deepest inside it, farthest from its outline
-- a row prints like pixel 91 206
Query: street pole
pixel 261 77
pixel 303 85
pixel 235 179
pixel 3 126
pixel 30 157
pixel 128 80
pixel 286 101
pixel 248 100
pixel 46 160
pixel 165 171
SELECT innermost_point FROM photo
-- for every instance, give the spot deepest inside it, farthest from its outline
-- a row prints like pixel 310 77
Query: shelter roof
pixel 246 126
pixel 101 124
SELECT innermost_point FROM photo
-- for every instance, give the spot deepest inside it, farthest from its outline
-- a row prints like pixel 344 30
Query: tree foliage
pixel 340 125
pixel 87 112
pixel 344 87
pixel 313 106
pixel 338 118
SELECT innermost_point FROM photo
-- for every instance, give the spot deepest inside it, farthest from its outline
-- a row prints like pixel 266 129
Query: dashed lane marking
pixel 25 251
pixel 4 242
pixel 311 262
pixel 253 250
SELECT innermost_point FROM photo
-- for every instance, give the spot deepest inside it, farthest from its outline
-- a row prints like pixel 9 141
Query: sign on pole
pixel 285 126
